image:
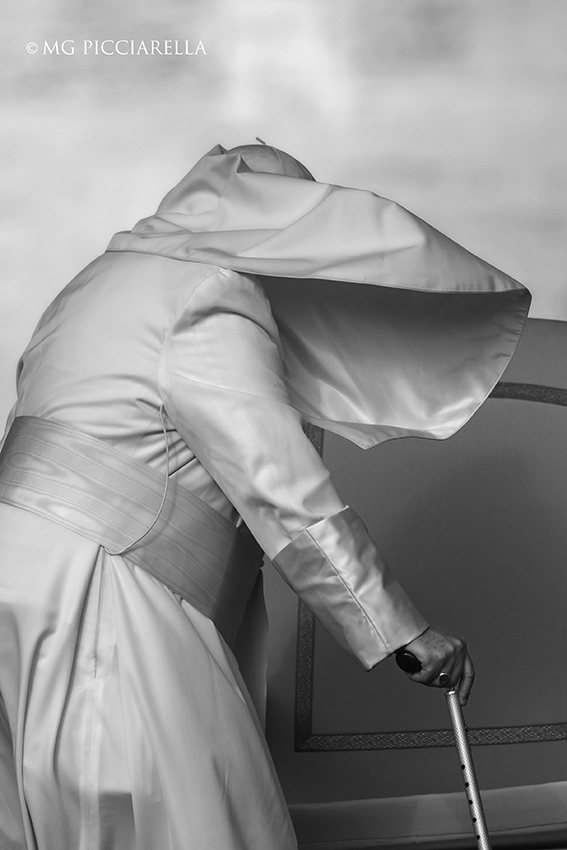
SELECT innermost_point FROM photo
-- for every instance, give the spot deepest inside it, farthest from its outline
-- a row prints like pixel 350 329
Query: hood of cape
pixel 389 328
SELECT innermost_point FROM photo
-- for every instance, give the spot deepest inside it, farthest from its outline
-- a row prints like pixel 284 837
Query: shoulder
pixel 227 310
pixel 227 291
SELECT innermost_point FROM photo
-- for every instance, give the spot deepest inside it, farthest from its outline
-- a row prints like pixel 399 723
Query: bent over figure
pixel 157 449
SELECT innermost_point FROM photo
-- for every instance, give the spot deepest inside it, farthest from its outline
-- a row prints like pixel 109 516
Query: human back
pixel 93 360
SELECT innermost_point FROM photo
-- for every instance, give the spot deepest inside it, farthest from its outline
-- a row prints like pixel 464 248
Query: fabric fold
pixel 87 486
pixel 341 576
pixel 389 328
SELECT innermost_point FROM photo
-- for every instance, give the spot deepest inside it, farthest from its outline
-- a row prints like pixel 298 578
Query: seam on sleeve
pixel 221 273
pixel 349 590
pixel 167 337
pixel 236 391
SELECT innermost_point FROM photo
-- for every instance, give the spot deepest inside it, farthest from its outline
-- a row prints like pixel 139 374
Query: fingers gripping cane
pixel 410 664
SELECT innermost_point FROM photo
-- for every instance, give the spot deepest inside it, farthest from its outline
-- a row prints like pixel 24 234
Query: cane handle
pixel 407 661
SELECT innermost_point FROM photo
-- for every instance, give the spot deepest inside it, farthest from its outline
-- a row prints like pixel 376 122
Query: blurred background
pixel 454 108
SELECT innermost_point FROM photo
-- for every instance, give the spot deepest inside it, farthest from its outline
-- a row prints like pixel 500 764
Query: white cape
pixel 377 345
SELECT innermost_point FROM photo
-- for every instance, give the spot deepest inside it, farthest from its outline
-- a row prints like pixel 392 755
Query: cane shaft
pixel 467 767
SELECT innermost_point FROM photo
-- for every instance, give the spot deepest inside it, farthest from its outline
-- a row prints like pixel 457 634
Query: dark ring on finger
pixel 443 679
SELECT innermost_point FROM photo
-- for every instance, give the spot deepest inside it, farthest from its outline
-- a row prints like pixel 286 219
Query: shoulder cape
pixel 389 328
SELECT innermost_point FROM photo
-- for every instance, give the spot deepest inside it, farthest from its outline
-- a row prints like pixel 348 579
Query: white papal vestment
pixel 124 721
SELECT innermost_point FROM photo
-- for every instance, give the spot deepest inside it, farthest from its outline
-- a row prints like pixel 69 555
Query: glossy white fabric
pixel 130 333
pixel 376 344
pixel 129 723
pixel 334 563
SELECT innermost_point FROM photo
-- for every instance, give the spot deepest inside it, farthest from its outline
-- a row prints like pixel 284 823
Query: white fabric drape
pixel 248 303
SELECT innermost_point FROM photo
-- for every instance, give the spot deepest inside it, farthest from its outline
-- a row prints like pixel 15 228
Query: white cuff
pixel 336 569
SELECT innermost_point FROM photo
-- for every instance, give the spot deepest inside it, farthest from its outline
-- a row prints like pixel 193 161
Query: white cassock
pixel 124 721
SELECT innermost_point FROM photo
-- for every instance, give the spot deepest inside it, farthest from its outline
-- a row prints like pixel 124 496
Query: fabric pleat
pixel 389 327
pixel 130 723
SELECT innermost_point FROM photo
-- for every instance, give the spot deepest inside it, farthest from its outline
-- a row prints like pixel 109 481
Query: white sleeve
pixel 222 383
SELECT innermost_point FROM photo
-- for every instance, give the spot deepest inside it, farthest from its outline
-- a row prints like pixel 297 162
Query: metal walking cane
pixel 410 664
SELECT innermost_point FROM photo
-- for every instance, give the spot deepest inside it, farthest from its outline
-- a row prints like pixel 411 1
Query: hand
pixel 439 653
